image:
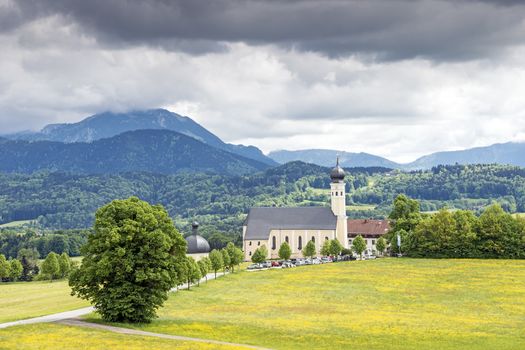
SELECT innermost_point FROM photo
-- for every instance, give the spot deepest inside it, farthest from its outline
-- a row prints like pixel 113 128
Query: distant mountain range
pixel 502 153
pixel 108 124
pixel 76 146
pixel 327 158
pixel 155 151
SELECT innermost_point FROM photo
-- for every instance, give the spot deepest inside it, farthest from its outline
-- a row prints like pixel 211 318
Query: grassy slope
pixel 31 299
pixel 386 303
pixel 54 336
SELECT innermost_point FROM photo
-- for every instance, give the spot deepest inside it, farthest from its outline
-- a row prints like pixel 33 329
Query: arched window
pixel 313 239
pixel 286 239
pixel 258 243
pixel 250 243
pixel 250 254
pixel 326 238
pixel 274 244
pixel 300 243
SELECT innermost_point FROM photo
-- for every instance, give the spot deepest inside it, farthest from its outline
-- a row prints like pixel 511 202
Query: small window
pixel 250 254
pixel 286 239
pixel 250 243
pixel 326 238
pixel 313 239
pixel 274 244
pixel 373 241
pixel 259 243
pixel 300 243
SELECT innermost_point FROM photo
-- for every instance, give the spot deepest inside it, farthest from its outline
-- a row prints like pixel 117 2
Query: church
pixel 271 226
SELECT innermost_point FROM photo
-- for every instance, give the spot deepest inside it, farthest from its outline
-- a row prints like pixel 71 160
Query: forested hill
pixel 156 151
pixel 109 124
pixel 220 202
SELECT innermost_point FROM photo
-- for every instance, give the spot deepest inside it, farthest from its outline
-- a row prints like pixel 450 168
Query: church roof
pixel 261 221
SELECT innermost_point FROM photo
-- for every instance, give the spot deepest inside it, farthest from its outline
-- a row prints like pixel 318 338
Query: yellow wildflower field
pixel 56 336
pixel 376 304
pixel 22 300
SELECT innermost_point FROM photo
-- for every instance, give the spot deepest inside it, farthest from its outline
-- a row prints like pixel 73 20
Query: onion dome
pixel 337 174
pixel 196 243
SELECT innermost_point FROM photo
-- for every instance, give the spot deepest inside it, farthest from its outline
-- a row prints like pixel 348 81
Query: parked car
pixel 254 267
pixel 287 264
pixel 266 265
pixel 326 259
pixel 276 264
pixel 300 262
pixel 316 261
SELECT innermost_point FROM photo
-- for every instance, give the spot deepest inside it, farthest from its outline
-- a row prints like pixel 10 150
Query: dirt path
pixel 129 331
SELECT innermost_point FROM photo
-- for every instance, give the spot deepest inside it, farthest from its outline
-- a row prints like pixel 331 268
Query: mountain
pixel 326 157
pixel 108 124
pixel 156 151
pixel 501 153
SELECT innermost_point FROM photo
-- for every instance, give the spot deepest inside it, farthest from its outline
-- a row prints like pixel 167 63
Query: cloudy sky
pixel 394 78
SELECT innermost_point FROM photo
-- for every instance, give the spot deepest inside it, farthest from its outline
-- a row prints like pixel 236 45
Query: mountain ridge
pixel 108 124
pixel 157 151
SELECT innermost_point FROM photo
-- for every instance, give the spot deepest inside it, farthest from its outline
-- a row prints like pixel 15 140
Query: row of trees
pixel 456 234
pixel 26 268
pixel 330 248
pixel 43 242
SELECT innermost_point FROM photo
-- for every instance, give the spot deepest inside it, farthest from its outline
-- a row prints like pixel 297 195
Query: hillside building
pixel 271 226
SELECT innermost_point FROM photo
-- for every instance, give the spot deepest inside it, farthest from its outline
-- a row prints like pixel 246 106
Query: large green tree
pixel 325 249
pixel 130 261
pixel 204 268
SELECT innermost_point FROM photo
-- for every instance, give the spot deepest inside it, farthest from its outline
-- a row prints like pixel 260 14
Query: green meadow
pixel 375 304
pixel 22 300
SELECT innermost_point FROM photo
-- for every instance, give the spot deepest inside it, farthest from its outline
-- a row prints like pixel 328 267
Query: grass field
pixel 55 336
pixel 381 304
pixel 31 299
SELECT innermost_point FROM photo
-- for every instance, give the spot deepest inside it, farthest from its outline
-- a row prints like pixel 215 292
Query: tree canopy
pixel 130 261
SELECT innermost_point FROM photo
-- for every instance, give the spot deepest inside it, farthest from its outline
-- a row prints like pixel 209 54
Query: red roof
pixel 367 227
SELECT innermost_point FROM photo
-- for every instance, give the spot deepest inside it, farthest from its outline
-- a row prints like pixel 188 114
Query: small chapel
pixel 271 226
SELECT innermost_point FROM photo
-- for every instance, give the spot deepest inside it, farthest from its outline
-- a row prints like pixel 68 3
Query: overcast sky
pixel 395 78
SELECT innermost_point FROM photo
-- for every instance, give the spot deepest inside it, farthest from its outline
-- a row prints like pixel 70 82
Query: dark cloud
pixel 384 30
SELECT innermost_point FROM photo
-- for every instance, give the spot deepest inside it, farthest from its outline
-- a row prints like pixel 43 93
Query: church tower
pixel 338 202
